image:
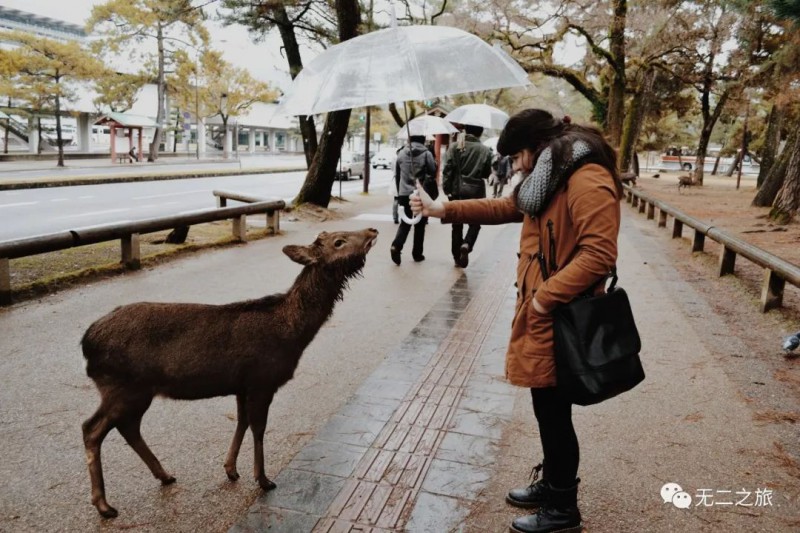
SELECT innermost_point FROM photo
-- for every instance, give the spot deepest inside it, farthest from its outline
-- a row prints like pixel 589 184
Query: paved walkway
pixel 398 418
pixel 418 438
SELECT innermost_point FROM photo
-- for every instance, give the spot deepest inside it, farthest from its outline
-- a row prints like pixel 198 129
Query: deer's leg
pixel 257 410
pixel 95 430
pixel 238 435
pixel 129 427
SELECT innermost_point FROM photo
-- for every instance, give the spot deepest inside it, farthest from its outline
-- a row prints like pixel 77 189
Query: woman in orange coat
pixel 568 204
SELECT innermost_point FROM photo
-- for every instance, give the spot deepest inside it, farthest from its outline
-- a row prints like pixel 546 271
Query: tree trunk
pixel 716 163
pixel 177 126
pixel 773 183
pixel 396 115
pixel 308 129
pixel 59 139
pixel 322 171
pixel 702 150
pixel 788 200
pixel 162 92
pixel 616 94
pixel 39 135
pixel 737 160
pixel 772 141
pixel 633 122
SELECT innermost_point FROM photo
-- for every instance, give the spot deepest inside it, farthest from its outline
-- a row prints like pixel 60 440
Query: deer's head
pixel 344 251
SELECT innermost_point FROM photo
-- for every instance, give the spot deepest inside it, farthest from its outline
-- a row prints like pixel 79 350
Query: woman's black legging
pixel 559 441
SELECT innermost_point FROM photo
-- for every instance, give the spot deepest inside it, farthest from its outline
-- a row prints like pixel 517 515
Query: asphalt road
pixel 31 212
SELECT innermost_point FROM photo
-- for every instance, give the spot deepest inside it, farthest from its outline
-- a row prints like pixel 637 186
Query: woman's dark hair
pixel 536 129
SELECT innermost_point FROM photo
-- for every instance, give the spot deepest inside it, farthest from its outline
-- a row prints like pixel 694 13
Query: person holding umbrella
pixel 464 177
pixel 568 203
pixel 414 163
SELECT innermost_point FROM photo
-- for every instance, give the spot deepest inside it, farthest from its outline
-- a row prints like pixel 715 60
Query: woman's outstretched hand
pixel 421 202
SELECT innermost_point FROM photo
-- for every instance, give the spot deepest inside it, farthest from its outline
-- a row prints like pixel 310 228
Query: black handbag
pixel 596 346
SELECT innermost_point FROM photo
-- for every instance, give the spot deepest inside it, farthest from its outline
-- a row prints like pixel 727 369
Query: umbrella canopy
pixel 3 115
pixel 399 64
pixel 491 142
pixel 426 125
pixel 481 115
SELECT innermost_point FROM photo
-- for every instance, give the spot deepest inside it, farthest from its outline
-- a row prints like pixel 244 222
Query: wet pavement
pixel 398 418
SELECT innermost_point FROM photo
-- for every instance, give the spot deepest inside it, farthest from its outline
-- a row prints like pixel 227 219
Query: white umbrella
pixel 426 125
pixel 481 115
pixel 491 142
pixel 398 64
pixel 3 115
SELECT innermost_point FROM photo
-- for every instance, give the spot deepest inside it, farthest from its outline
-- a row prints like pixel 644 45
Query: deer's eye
pixel 339 243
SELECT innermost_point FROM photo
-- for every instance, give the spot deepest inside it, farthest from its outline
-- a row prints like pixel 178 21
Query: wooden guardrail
pixel 777 271
pixel 128 234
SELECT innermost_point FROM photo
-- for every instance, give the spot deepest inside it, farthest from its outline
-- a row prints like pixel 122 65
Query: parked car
pixel 350 165
pixel 383 160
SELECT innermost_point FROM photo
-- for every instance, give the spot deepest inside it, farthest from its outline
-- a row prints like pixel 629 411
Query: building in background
pixel 264 130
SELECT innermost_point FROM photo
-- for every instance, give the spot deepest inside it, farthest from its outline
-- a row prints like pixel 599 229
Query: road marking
pixel 85 197
pixel 93 213
pixel 59 200
pixel 170 194
pixel 18 204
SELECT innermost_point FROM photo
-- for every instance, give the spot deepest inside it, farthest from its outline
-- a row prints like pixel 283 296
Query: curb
pixel 41 183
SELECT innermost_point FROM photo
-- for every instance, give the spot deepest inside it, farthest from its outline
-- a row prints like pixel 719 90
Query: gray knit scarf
pixel 538 187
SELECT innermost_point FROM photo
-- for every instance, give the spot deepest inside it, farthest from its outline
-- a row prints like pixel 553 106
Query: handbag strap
pixel 611 274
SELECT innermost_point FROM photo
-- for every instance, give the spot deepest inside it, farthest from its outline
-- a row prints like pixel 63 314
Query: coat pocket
pixel 539 331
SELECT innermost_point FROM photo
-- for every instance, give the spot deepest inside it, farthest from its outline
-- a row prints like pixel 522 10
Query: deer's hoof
pixel 169 480
pixel 233 475
pixel 106 511
pixel 266 484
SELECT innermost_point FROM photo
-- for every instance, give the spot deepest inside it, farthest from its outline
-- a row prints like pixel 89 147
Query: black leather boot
pixel 560 515
pixel 534 495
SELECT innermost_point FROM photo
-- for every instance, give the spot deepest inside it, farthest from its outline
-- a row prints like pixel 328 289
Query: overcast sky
pixel 262 60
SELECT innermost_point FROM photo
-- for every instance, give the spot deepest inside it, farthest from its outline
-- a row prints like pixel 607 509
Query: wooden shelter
pixel 127 122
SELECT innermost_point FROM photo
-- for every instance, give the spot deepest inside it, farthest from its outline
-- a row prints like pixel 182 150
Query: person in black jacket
pixel 406 176
pixel 464 177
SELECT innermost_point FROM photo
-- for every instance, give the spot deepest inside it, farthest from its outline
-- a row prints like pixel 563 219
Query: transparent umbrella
pixel 426 125
pixel 398 64
pixel 481 115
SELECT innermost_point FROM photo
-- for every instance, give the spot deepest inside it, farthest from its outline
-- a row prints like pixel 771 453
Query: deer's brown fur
pixel 190 351
pixel 685 181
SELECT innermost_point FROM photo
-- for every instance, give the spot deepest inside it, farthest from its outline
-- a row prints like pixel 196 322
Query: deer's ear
pixel 300 254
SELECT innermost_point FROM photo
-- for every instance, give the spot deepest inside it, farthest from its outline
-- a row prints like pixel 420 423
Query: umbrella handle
pixel 401 213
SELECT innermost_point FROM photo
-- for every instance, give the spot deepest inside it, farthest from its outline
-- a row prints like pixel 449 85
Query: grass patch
pixel 46 273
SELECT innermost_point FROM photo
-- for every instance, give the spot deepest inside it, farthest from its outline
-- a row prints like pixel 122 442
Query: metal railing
pixel 128 234
pixel 777 271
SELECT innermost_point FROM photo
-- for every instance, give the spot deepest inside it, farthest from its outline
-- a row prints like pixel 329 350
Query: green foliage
pixel 241 90
pixel 41 69
pixel 117 91
pixel 786 9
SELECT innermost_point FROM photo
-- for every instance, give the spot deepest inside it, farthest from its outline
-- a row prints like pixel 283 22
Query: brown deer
pixel 685 181
pixel 192 351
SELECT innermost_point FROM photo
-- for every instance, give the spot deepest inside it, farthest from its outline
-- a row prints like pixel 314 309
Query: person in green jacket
pixel 464 176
